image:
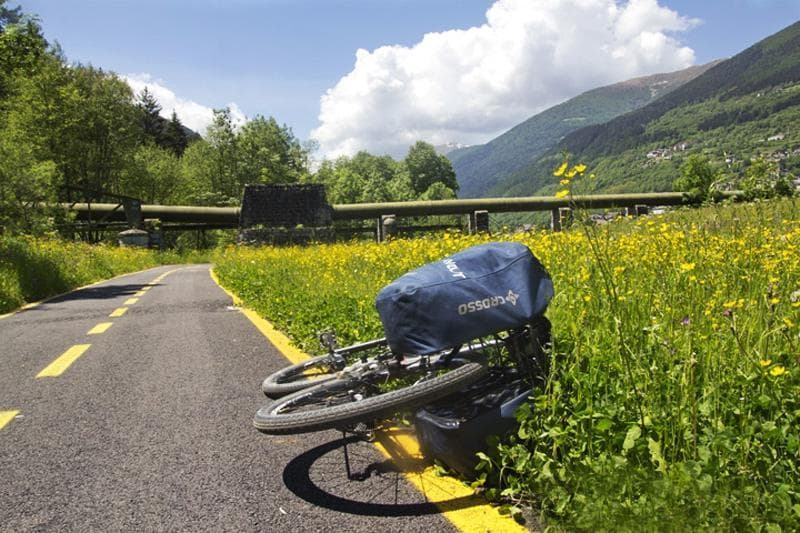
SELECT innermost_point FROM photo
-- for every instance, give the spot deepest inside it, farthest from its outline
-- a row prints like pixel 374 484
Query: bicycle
pixel 350 388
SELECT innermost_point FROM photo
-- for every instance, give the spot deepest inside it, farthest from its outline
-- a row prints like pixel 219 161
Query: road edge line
pixel 480 517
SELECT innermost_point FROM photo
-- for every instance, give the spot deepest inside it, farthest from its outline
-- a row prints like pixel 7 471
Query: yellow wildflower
pixel 560 170
pixel 778 370
pixel 788 322
pixel 765 363
pixel 687 267
pixel 564 182
pixel 562 194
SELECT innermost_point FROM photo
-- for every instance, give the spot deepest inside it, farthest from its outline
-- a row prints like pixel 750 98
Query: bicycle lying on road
pixel 448 324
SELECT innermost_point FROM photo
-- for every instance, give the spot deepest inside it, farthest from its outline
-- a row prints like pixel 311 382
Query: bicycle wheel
pixel 336 404
pixel 299 376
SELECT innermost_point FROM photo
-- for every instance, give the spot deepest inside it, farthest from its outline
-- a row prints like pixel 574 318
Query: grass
pixel 35 268
pixel 674 396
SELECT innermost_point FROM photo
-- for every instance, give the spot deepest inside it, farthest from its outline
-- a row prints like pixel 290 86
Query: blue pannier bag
pixel 476 292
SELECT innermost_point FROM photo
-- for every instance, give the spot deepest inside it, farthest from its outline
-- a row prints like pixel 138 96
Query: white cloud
pixel 192 115
pixel 469 85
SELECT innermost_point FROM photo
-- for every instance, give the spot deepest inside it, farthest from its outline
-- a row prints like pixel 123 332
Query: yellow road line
pixel 6 417
pixel 131 301
pixel 471 513
pixel 57 367
pixel 139 294
pixel 118 312
pixel 100 328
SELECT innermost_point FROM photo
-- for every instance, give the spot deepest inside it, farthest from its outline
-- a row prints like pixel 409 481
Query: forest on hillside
pixel 67 126
pixel 741 112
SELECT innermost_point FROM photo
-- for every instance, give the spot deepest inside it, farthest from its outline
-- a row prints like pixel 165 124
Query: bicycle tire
pixel 271 419
pixel 295 377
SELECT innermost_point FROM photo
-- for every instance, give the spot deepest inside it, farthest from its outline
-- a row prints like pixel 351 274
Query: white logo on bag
pixel 488 303
pixel 453 268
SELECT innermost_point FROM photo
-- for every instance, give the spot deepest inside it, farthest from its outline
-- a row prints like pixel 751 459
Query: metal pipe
pixel 230 215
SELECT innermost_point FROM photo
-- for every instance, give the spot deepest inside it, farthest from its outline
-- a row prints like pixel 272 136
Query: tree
pixel 81 118
pixel 224 157
pixel 698 177
pixel 175 138
pixel 22 46
pixel 426 167
pixel 152 123
pixel 763 179
pixel 154 175
pixel 269 153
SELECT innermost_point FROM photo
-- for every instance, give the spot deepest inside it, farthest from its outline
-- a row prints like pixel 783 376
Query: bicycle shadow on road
pixel 376 485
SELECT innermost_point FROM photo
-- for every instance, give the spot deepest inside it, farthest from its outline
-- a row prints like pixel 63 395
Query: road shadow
pixel 106 292
pixel 374 486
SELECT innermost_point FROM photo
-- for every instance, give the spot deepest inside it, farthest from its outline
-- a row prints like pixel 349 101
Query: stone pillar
pixel 560 218
pixel 387 227
pixel 555 220
pixel 479 222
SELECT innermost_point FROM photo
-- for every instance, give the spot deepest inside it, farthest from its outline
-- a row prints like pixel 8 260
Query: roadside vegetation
pixel 674 395
pixel 35 268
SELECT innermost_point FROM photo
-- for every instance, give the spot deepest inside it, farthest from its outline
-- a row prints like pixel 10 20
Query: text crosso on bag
pixel 478 291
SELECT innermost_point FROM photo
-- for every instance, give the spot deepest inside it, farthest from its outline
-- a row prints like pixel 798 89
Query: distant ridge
pixel 743 107
pixel 480 168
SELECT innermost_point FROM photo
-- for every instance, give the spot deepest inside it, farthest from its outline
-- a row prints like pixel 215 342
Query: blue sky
pixel 279 57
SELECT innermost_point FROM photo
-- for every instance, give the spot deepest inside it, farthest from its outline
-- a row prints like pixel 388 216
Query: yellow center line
pixel 140 293
pixel 57 367
pixel 100 328
pixel 145 288
pixel 457 502
pixel 118 312
pixel 131 301
pixel 6 417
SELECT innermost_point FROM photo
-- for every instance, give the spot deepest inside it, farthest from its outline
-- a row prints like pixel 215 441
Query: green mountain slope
pixel 479 168
pixel 747 106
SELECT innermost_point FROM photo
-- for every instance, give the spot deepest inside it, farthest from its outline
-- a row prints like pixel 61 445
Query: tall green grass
pixel 674 396
pixel 35 268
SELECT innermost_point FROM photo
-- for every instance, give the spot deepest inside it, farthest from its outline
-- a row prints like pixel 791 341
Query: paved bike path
pixel 149 426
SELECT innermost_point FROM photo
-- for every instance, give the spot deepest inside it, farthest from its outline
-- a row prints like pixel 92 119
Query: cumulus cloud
pixel 469 85
pixel 192 115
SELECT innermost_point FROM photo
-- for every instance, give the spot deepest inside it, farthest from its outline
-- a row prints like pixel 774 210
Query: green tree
pixel 698 177
pixel 200 182
pixel 175 138
pixel 224 156
pixel 426 167
pixel 22 46
pixel 763 179
pixel 269 153
pixel 150 111
pixel 154 175
pixel 24 182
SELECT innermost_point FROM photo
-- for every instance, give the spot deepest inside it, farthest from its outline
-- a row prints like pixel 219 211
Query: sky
pixel 378 75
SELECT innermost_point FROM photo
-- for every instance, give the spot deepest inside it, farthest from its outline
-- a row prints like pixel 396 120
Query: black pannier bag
pixel 454 429
pixel 476 292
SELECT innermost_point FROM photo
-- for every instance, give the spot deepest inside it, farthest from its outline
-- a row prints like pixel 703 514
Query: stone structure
pixel 285 205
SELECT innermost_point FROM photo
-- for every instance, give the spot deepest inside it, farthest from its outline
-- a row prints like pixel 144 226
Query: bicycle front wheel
pixel 341 402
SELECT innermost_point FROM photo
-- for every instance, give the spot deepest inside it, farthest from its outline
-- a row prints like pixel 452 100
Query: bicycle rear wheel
pixel 344 402
pixel 299 376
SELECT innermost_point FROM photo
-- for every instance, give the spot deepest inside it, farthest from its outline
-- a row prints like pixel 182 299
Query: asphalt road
pixel 149 428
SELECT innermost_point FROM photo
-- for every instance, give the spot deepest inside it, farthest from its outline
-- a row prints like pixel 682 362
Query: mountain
pixel 747 106
pixel 479 168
